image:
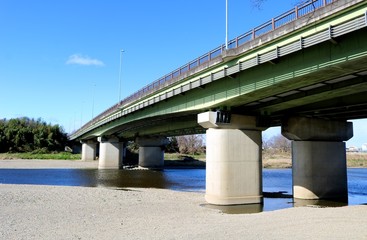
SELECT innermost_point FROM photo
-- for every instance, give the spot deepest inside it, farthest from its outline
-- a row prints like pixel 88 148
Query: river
pixel 277 183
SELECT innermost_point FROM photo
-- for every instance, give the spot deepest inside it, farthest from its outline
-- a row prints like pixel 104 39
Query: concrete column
pixel 110 153
pixel 318 157
pixel 151 151
pixel 233 159
pixel 89 149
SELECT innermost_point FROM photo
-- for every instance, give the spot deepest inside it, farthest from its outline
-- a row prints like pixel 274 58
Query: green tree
pixel 172 146
pixel 26 135
pixel 3 139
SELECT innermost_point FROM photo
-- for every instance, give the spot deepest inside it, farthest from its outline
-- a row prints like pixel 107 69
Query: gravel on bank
pixel 55 212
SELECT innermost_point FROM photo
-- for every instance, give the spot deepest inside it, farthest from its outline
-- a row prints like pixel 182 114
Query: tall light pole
pixel 226 24
pixel 121 51
pixel 81 114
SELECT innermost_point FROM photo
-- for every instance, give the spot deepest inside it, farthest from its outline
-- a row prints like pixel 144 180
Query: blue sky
pixel 59 60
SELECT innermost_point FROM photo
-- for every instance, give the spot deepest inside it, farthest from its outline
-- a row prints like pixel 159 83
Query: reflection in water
pixel 277 184
pixel 136 179
pixel 320 203
pixel 277 191
pixel 237 209
pixel 175 179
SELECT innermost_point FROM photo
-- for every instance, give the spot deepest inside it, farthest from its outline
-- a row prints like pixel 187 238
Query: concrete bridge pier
pixel 233 159
pixel 318 157
pixel 89 150
pixel 110 153
pixel 151 151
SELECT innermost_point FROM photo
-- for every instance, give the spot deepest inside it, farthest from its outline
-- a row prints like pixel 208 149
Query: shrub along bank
pixel 30 135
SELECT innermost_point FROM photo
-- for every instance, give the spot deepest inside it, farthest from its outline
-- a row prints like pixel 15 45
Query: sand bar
pixel 54 212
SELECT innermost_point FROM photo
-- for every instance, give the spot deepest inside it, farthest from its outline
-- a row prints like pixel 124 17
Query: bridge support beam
pixel 89 149
pixel 233 159
pixel 318 157
pixel 151 151
pixel 110 153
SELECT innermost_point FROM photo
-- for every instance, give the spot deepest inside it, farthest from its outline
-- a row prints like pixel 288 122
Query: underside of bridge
pixel 337 93
pixel 326 81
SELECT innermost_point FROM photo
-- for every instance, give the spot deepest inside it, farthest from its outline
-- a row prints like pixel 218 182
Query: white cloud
pixel 84 60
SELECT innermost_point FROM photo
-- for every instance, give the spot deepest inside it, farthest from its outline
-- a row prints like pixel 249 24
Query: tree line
pixel 188 144
pixel 277 143
pixel 195 144
pixel 30 135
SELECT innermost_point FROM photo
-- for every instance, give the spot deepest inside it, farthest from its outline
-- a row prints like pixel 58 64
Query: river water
pixel 277 183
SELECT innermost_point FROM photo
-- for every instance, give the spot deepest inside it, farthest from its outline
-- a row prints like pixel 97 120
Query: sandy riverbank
pixel 52 212
pixel 43 164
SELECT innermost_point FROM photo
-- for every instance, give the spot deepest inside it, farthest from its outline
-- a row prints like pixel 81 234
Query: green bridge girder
pixel 318 70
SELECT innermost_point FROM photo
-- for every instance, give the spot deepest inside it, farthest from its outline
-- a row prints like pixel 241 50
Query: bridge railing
pixel 174 76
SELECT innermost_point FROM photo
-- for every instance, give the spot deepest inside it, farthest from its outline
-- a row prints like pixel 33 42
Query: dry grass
pixel 54 156
pixel 271 159
pixel 276 159
pixel 357 159
pixel 177 160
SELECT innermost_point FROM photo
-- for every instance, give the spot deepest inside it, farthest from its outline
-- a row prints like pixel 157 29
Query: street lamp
pixel 81 114
pixel 226 24
pixel 121 51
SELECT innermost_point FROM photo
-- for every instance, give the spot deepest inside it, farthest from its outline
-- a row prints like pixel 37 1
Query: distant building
pixel 352 149
pixel 364 147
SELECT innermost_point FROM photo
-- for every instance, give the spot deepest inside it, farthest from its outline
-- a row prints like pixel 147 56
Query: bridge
pixel 305 71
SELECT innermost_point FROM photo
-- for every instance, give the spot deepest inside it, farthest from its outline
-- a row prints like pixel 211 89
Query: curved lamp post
pixel 121 51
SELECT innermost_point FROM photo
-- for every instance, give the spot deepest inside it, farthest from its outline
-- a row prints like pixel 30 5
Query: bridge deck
pixel 314 27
